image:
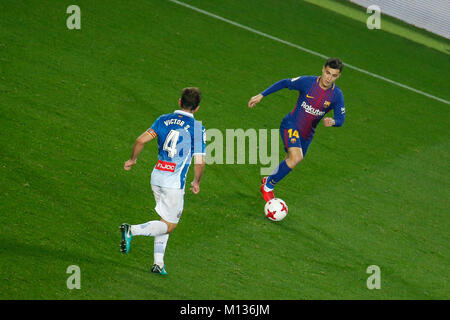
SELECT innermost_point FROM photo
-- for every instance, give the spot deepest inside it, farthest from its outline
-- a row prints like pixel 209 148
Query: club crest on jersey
pixel 165 166
pixel 326 104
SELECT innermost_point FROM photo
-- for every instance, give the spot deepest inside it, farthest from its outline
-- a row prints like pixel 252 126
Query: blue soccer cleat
pixel 158 269
pixel 125 243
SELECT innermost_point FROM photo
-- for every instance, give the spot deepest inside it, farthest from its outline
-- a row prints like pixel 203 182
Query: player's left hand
pixel 328 122
pixel 195 187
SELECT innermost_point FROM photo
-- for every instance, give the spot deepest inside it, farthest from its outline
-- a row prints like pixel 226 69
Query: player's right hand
pixel 128 164
pixel 254 100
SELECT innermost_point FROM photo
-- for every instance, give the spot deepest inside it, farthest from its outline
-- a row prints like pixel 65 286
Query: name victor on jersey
pixel 176 121
pixel 309 109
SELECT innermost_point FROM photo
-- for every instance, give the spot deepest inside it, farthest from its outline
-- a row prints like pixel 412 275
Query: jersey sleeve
pixel 291 84
pixel 199 139
pixel 297 83
pixel 339 110
pixel 155 128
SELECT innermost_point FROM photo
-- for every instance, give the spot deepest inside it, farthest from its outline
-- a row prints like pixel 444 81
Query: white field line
pixel 306 50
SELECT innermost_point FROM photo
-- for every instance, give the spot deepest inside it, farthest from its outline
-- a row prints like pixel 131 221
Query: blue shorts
pixel 292 137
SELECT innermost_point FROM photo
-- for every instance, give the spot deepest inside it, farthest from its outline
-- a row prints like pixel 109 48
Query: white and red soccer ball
pixel 276 209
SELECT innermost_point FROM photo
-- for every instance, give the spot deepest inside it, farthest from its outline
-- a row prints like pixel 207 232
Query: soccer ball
pixel 276 209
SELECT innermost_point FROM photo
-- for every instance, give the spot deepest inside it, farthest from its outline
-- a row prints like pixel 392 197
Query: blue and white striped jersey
pixel 180 137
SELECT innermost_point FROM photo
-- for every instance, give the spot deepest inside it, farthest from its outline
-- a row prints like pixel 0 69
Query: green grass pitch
pixel 374 192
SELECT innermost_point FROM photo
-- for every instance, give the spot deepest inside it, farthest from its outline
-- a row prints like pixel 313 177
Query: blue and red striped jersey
pixel 312 104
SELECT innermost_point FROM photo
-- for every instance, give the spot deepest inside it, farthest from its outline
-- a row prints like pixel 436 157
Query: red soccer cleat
pixel 266 195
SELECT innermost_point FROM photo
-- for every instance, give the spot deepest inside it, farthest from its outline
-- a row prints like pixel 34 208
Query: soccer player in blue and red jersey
pixel 318 95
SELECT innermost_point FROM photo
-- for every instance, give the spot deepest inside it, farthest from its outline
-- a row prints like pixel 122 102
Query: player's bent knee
pixel 170 226
pixel 294 159
pixel 297 159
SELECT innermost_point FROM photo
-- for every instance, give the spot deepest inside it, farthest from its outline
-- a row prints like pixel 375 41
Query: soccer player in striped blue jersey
pixel 180 137
pixel 318 95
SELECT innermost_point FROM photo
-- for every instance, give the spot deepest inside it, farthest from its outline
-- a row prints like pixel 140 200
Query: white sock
pixel 160 248
pixel 152 228
pixel 267 189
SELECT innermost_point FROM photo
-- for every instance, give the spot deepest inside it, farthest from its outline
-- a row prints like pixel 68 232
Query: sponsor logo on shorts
pixel 165 166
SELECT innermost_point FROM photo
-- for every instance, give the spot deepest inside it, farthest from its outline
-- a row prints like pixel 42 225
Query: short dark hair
pixel 190 98
pixel 334 63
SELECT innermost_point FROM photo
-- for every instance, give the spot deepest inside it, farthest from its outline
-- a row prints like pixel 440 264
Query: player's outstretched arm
pixel 137 148
pixel 199 168
pixel 285 83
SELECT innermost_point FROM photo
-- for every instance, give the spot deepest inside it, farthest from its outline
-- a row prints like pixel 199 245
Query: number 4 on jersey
pixel 170 145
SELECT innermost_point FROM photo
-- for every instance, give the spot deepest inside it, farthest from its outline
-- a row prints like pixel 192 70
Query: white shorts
pixel 169 203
